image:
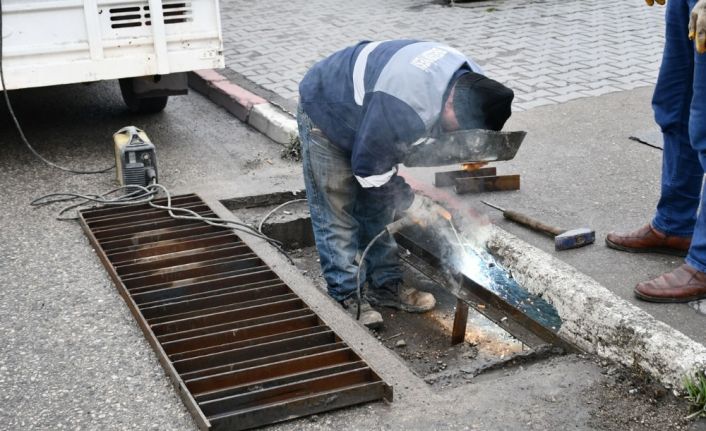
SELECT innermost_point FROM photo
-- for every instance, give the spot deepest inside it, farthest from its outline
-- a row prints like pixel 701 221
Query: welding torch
pixel 422 211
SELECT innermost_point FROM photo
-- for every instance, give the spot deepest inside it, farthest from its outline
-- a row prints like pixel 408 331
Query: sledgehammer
pixel 563 239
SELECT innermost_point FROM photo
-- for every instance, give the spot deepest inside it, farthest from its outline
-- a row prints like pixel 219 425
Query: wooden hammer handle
pixel 532 223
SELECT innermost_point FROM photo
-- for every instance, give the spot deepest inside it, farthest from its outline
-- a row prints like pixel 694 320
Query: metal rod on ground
pixel 487 184
pixel 458 335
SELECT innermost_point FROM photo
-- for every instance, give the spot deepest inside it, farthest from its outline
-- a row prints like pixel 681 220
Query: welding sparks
pixel 477 264
pixel 469 261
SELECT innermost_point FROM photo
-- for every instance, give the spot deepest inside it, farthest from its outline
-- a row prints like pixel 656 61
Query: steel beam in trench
pixel 484 300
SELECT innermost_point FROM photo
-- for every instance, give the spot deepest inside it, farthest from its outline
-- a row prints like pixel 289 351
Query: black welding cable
pixel 138 195
pixel 218 222
pixel 357 275
pixel 269 214
pixel 17 123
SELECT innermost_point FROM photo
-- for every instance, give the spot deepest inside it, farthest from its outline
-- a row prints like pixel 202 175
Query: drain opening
pixel 423 341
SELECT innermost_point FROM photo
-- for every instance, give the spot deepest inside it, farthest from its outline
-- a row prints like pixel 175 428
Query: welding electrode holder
pixel 422 212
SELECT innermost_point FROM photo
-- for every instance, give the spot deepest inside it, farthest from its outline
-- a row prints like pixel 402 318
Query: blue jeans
pixel 344 217
pixel 679 103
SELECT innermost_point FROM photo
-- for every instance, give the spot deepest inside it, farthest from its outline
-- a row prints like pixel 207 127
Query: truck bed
pixel 52 42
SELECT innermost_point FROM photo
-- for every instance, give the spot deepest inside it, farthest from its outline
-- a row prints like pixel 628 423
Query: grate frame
pixel 240 346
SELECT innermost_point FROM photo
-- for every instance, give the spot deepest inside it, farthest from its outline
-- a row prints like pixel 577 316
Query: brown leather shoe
pixel 684 284
pixel 649 240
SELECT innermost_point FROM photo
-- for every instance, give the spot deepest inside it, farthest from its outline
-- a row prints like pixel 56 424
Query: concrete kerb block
pixel 249 108
pixel 273 122
pixel 596 320
pixel 235 99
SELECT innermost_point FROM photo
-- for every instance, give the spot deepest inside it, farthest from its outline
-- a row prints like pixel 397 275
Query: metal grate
pixel 241 347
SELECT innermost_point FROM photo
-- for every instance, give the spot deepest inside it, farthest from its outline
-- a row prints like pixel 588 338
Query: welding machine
pixel 135 157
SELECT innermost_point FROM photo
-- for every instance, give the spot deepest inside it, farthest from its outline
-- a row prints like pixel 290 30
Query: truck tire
pixel 141 105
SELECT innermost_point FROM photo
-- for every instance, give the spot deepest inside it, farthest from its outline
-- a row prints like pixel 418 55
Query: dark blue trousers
pixel 679 104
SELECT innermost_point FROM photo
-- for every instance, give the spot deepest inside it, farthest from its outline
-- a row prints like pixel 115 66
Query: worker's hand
pixel 424 209
pixel 652 2
pixel 697 26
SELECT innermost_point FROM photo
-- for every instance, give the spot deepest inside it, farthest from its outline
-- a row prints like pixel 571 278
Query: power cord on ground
pixel 19 127
pixel 269 214
pixel 138 195
pixel 357 275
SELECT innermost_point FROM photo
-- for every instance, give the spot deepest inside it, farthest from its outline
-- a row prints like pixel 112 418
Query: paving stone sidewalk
pixel 548 51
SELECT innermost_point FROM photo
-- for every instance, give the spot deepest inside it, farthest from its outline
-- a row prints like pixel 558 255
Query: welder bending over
pixel 360 111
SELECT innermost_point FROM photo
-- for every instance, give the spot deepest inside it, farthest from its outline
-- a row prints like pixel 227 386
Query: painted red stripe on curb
pixel 234 98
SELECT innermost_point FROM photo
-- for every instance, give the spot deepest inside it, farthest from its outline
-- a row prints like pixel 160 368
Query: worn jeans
pixel 344 217
pixel 679 104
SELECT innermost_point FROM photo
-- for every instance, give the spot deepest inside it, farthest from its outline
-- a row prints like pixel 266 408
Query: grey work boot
pixel 368 317
pixel 401 297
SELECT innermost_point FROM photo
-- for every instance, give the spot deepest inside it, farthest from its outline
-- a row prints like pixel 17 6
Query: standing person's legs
pixel 697 135
pixel 331 193
pixel 679 213
pixel 673 224
pixel 682 173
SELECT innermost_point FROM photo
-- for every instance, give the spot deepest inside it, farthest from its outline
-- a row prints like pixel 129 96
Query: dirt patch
pixel 630 401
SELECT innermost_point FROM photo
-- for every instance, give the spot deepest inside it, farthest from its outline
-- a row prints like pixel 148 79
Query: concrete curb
pixel 248 107
pixel 596 320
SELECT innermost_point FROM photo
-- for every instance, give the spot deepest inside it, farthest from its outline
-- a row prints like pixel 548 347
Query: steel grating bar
pixel 234 358
pixel 222 322
pixel 230 281
pixel 301 406
pixel 225 314
pixel 278 393
pixel 277 381
pixel 157 248
pixel 227 301
pixel 178 296
pixel 147 265
pixel 252 328
pixel 166 234
pixel 128 218
pixel 189 282
pixel 241 347
pixel 139 226
pixel 275 369
pixel 217 294
pixel 184 307
pixel 290 336
pixel 218 266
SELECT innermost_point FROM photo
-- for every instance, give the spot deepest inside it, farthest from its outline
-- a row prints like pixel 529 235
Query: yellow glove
pixel 697 26
pixel 652 2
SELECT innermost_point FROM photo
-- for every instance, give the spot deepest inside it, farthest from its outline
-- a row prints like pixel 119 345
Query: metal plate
pixel 465 146
pixel 241 347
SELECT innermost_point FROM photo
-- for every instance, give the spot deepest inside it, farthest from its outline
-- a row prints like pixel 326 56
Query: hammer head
pixel 574 238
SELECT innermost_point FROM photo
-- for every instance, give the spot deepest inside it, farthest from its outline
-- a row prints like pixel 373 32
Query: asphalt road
pixel 71 355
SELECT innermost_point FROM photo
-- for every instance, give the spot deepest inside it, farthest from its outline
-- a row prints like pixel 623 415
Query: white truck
pixel 148 45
